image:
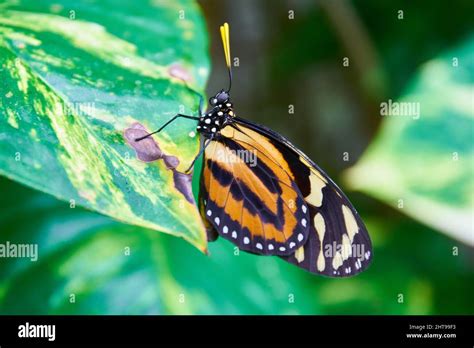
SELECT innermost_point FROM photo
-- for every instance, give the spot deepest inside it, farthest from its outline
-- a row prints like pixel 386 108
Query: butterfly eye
pixel 222 97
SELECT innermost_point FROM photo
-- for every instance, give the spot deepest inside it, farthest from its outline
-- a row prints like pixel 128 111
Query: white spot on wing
pixel 299 254
pixel 320 227
pixel 337 261
pixel 351 224
pixel 346 247
pixel 316 195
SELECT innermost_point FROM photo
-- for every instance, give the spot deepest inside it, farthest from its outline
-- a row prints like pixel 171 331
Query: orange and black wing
pixel 338 243
pixel 249 195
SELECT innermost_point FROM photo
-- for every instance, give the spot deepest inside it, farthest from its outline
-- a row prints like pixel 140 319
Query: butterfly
pixel 264 195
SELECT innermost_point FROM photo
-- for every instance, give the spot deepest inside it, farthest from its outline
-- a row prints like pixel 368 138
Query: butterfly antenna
pixel 226 45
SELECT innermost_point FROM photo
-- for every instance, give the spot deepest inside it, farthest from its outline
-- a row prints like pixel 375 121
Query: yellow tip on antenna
pixel 226 42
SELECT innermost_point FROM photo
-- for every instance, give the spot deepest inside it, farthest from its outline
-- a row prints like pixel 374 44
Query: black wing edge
pixel 211 232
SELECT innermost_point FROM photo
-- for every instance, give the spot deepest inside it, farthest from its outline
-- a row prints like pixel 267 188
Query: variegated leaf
pixel 74 76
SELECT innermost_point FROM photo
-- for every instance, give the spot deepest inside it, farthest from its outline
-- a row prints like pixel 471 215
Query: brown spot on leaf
pixel 171 161
pixel 180 72
pixel 148 150
pixel 183 183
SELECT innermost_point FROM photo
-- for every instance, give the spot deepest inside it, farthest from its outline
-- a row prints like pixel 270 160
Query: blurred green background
pixel 423 248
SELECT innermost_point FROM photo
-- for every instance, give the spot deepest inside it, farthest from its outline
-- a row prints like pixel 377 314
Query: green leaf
pixel 423 165
pixel 75 76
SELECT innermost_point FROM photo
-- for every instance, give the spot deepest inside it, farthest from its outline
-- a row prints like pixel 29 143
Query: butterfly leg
pixel 201 151
pixel 167 123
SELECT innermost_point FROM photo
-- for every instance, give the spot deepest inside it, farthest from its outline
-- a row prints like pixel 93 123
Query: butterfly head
pixel 220 98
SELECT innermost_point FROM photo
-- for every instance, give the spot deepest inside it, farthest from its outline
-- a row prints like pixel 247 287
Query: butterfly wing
pixel 250 197
pixel 338 243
